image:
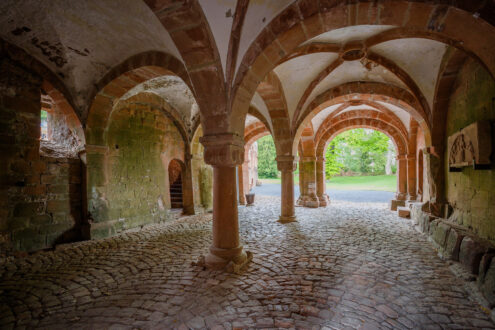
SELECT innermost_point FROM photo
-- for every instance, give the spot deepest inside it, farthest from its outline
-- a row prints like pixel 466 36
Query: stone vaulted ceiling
pixel 82 41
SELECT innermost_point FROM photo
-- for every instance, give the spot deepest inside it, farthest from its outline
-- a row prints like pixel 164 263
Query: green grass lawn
pixel 378 182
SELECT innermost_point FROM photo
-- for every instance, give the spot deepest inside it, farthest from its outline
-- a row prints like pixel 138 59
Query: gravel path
pixel 367 196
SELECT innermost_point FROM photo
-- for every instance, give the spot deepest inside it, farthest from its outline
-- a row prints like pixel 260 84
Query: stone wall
pixel 141 142
pixel 40 197
pixel 471 192
pixel 202 175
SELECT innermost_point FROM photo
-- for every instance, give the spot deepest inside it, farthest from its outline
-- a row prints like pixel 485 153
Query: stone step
pixel 404 212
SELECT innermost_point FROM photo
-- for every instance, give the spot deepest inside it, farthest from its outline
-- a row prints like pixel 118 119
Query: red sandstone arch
pixel 307 146
pixel 303 20
pixel 254 132
pixel 373 57
pixel 51 80
pixel 271 91
pixel 362 91
pixel 375 124
pixel 390 119
pixel 119 81
pixel 190 31
pixel 71 118
pixel 256 113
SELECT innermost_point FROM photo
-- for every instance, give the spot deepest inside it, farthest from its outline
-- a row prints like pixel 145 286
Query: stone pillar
pixel 307 171
pixel 433 158
pixel 187 187
pixel 224 152
pixel 287 165
pixel 321 189
pixel 411 177
pixel 242 182
pixel 401 178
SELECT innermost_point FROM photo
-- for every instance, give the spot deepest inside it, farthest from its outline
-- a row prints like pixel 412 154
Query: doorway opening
pixel 175 181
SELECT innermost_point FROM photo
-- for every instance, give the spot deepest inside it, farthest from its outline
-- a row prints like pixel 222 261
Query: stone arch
pixel 70 118
pixel 190 31
pixel 160 103
pixel 22 58
pixel 390 119
pixel 272 92
pixel 119 81
pixel 362 91
pixel 306 19
pixel 344 125
pixel 370 57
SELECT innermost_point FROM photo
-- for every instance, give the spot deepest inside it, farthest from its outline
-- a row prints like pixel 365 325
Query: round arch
pixel 345 125
pixel 302 21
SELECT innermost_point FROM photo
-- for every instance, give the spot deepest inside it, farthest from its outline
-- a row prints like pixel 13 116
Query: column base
pixel 285 219
pixel 230 260
pixel 324 200
pixel 394 203
pixel 308 201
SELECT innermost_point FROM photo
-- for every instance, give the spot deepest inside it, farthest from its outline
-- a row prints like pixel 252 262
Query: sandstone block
pixel 404 212
pixel 470 254
pixel 440 234
pixel 486 279
pixel 453 244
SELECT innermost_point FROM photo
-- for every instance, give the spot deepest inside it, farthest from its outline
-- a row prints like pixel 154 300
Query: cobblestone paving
pixel 343 267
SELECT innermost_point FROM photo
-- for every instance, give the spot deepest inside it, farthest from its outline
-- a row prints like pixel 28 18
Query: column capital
pixel 321 159
pixel 402 157
pixel 223 150
pixel 286 163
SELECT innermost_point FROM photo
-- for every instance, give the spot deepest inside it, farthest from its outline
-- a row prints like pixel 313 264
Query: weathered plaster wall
pixel 141 142
pixel 472 192
pixel 40 197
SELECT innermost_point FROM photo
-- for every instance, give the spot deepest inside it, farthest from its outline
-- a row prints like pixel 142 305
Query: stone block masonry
pixel 128 180
pixel 40 197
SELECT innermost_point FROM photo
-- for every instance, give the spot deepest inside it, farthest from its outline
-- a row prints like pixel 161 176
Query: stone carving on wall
pixel 471 146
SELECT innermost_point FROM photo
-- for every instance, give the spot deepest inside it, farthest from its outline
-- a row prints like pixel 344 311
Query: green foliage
pixel 267 165
pixel 362 151
pixel 332 165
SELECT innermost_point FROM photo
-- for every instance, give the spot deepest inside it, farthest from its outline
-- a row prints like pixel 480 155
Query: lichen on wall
pixel 141 142
pixel 202 175
pixel 472 192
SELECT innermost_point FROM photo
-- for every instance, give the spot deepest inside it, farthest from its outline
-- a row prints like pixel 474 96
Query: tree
pixel 267 165
pixel 359 150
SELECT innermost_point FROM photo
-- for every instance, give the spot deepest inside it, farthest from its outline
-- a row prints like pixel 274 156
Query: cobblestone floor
pixel 346 266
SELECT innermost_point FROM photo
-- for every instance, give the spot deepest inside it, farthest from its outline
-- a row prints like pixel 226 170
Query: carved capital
pixel 223 150
pixel 286 163
pixel 320 159
pixel 402 157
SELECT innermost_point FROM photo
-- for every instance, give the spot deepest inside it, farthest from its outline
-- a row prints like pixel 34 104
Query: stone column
pixel 287 165
pixel 242 182
pixel 307 172
pixel 187 187
pixel 321 189
pixel 411 177
pixel 401 177
pixel 224 152
pixel 433 158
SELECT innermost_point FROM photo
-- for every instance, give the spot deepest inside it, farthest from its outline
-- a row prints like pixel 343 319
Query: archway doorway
pixel 361 166
pixel 175 182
